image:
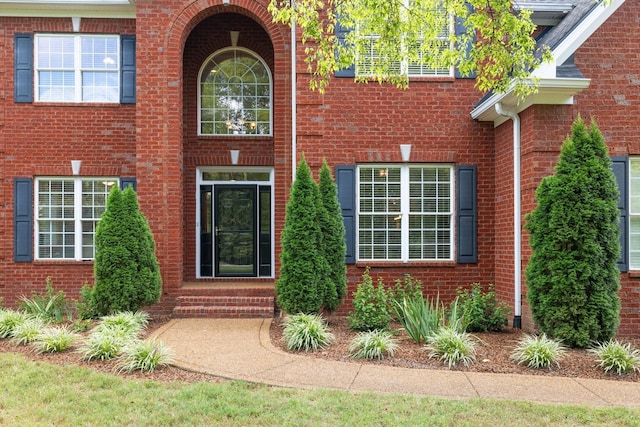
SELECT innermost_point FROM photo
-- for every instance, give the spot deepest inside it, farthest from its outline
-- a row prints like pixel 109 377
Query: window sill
pixel 408 264
pixel 79 104
pixel 634 274
pixel 88 262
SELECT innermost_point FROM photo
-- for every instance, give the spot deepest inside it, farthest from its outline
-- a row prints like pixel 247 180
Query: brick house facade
pixel 184 174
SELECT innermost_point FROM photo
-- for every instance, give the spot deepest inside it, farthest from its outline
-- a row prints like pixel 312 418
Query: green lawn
pixel 35 393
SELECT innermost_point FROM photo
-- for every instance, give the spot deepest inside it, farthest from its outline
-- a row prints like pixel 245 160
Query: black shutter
pixel 23 68
pixel 341 32
pixel 346 183
pixel 127 69
pixel 466 210
pixel 461 29
pixel 620 167
pixel 126 182
pixel 22 220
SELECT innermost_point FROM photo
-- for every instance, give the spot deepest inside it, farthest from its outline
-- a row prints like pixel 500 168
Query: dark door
pixel 235 228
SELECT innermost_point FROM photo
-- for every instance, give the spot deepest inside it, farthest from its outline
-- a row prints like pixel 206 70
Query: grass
pixel 538 352
pixel 145 356
pixel 451 346
pixel 373 345
pixel 614 356
pixel 306 332
pixel 36 393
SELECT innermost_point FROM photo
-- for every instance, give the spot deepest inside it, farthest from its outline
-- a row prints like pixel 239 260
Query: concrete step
pixel 223 312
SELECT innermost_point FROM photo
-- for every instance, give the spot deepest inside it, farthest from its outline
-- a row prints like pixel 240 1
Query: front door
pixel 235 230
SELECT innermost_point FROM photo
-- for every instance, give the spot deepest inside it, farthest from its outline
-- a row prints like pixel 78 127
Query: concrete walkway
pixel 241 349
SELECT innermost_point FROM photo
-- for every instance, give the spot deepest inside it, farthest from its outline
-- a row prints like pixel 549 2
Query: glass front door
pixel 235 230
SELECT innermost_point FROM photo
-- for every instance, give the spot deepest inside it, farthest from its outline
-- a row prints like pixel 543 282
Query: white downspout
pixel 294 132
pixel 517 232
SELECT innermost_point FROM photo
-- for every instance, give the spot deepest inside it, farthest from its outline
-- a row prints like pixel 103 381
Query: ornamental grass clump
pixel 9 319
pixel 538 352
pixel 452 346
pixel 614 356
pixel 306 332
pixel 106 343
pixel 132 322
pixel 52 339
pixel 373 345
pixel 145 356
pixel 27 331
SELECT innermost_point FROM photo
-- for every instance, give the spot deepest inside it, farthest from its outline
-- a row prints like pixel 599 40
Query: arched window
pixel 235 94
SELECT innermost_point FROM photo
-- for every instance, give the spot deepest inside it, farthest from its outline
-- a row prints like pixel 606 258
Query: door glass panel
pixel 236 176
pixel 235 231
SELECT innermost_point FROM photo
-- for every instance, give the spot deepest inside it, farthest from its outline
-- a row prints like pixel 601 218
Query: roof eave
pixel 555 91
pixel 66 8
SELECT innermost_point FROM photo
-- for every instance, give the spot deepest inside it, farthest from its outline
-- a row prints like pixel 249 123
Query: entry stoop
pixel 231 301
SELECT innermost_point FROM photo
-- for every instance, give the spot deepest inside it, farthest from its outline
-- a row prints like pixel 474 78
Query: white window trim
pixel 405 211
pixel 634 181
pixel 77 50
pixel 77 217
pixel 201 181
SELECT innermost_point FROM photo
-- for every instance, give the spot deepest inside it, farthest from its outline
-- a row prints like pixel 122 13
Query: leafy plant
pixel 373 345
pixel 538 351
pixel 27 331
pixel 145 356
pixel 9 319
pixel 419 316
pixel 306 332
pixel 85 306
pixel 53 339
pixel 406 288
pixel 370 308
pixel 572 275
pixel 480 311
pixel 106 343
pixel 452 346
pixel 50 306
pixel 615 356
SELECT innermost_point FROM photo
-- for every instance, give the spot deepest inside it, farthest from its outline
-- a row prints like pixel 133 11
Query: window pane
pixel 235 95
pixel 428 225
pixel 93 78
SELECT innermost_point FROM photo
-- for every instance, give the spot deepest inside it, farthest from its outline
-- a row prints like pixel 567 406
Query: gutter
pixel 517 228
pixel 294 131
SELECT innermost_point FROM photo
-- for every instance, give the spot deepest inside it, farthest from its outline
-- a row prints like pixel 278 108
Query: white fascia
pixel 66 8
pixel 551 90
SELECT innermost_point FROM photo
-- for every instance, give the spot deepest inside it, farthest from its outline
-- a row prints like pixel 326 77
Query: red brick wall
pixel 610 59
pixel 41 140
pixel 355 123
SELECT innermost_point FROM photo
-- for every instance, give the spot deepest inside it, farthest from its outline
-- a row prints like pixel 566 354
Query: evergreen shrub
pixel 126 271
pixel 572 275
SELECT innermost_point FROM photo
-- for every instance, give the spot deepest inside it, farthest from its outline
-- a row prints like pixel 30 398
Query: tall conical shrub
pixel 126 271
pixel 300 287
pixel 572 276
pixel 334 245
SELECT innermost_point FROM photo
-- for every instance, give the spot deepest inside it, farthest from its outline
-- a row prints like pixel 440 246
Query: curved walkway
pixel 241 349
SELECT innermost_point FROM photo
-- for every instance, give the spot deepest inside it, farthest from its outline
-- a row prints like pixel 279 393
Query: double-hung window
pixel 634 213
pixel 67 212
pixel 405 213
pixel 409 59
pixel 77 68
